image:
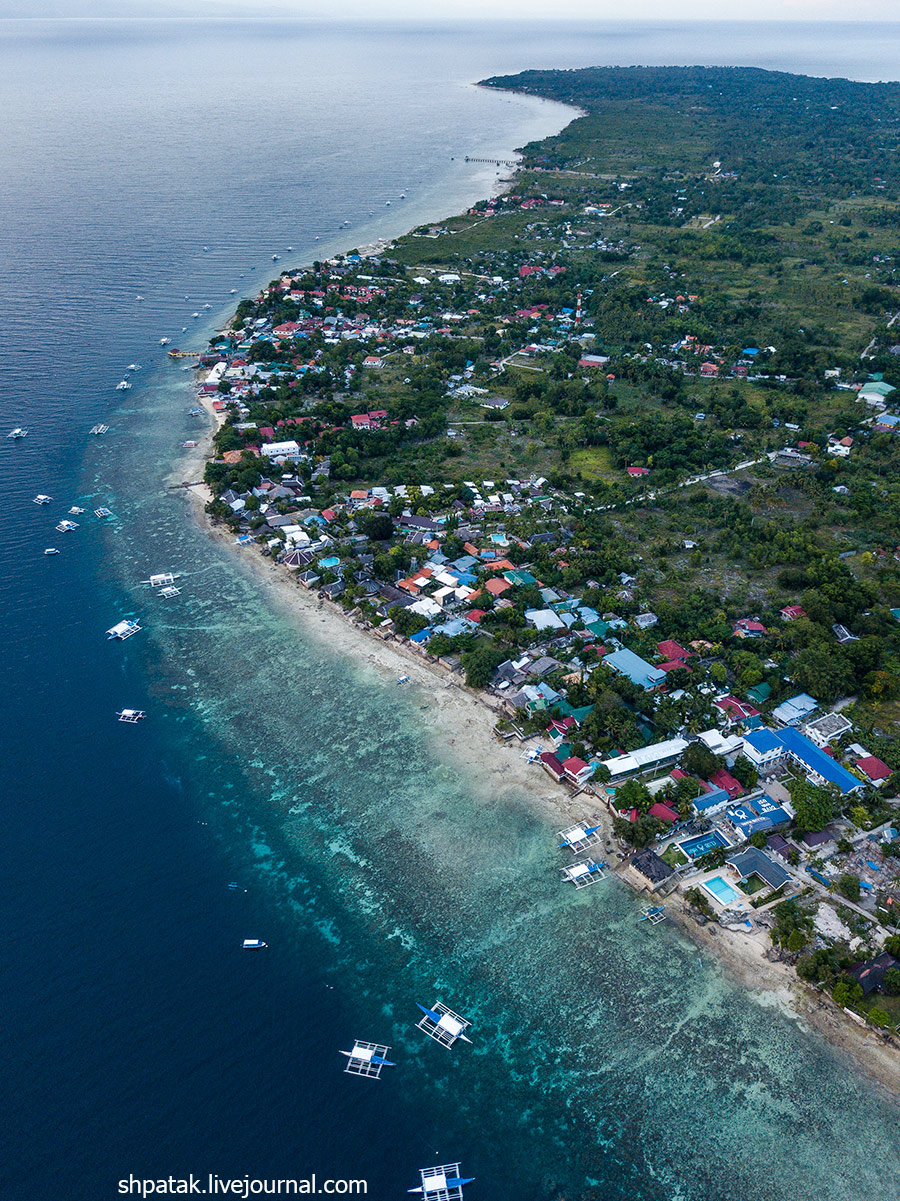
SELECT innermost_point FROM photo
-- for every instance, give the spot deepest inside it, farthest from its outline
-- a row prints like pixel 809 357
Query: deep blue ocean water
pixel 137 1037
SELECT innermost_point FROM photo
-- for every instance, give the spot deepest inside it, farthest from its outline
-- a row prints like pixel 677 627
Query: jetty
pixel 442 1183
pixel 584 874
pixel 367 1059
pixel 175 353
pixel 494 162
pixel 443 1025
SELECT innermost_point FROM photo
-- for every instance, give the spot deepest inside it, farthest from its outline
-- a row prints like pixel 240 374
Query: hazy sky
pixel 616 10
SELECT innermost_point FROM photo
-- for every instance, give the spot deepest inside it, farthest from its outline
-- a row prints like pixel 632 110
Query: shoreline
pixel 463 721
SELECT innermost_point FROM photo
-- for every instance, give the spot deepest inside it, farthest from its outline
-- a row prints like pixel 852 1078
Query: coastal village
pixel 665 562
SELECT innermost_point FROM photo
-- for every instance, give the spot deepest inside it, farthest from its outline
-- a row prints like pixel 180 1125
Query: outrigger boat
pixel 123 629
pixel 76 511
pixel 41 499
pixel 653 914
pixel 132 716
pixel 103 512
pixel 123 385
pixel 579 838
pixel 99 429
pixel 404 679
pixel 367 1059
pixel 442 1024
pixel 168 593
pixel 583 874
pixel 18 432
pixel 160 579
pixel 66 527
pixel 442 1183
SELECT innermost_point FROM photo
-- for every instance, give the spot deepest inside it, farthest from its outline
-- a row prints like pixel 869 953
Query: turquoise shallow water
pixel 609 1061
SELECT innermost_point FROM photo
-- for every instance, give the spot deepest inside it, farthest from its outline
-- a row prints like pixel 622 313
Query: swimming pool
pixel 702 844
pixel 720 890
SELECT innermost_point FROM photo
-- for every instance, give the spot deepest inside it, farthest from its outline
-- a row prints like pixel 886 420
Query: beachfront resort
pixel 558 450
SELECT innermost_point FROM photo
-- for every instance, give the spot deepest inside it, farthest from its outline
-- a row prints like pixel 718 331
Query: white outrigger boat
pixel 161 579
pixel 442 1183
pixel 132 716
pixel 654 914
pixel 76 510
pixel 66 527
pixel 18 432
pixel 164 341
pixel 579 838
pixel 583 874
pixel 443 1025
pixel 98 429
pixel 367 1059
pixel 123 629
pixel 41 499
pixel 123 385
pixel 103 512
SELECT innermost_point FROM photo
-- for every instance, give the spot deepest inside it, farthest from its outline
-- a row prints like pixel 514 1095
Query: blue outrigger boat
pixel 442 1183
pixel 442 1024
pixel 367 1059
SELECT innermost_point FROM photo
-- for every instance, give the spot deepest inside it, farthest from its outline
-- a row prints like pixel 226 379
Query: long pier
pixel 495 162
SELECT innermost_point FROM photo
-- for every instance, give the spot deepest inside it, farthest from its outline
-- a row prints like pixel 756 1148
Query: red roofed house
pixel 551 764
pixel 792 612
pixel 634 471
pixel 874 770
pixel 672 650
pixel 671 664
pixel 735 711
pixel 663 812
pixel 560 727
pixel 475 615
pixel 497 586
pixel 577 770
pixel 724 779
pixel 749 627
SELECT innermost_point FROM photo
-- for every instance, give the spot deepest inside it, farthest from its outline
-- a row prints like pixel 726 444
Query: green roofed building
pixel 519 577
pixel 759 694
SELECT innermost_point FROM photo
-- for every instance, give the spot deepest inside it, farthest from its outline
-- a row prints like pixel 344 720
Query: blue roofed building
pixel 638 670
pixel 763 748
pixel 757 813
pixel 768 750
pixel 708 803
pixel 805 752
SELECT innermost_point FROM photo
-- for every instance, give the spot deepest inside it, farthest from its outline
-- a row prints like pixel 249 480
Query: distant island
pixel 618 448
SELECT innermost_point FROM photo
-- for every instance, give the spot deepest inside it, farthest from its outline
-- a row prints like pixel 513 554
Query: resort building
pixel 646 759
pixel 638 670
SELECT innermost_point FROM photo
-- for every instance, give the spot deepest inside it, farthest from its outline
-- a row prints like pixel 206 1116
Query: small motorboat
pixel 51 550
pixel 253 944
pixel 164 341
